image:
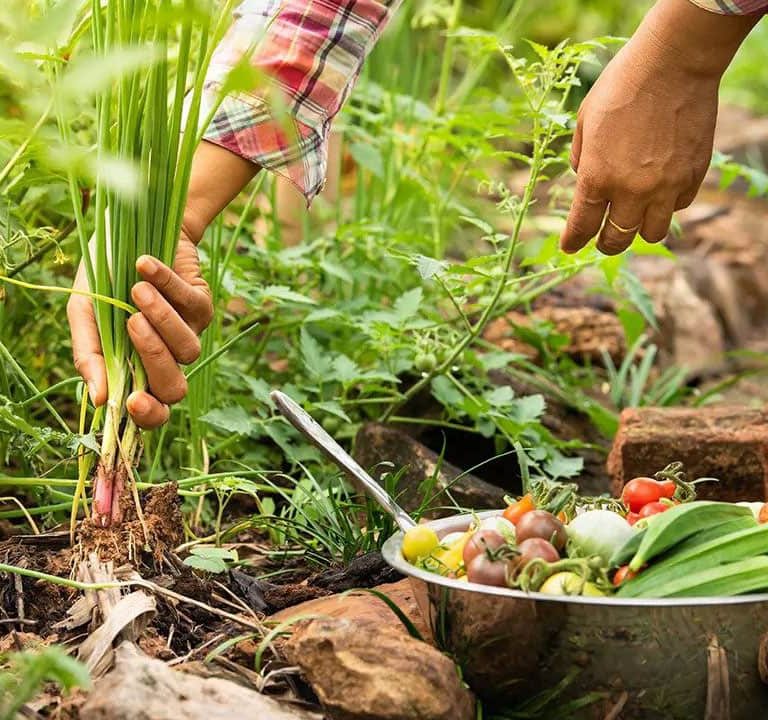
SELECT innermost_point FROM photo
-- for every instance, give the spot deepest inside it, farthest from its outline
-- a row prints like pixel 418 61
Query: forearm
pixel 218 175
pixel 693 39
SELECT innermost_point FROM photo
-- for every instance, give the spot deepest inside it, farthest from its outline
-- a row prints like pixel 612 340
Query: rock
pixel 690 334
pixel 736 240
pixel 376 443
pixel 729 443
pixel 140 688
pixel 364 607
pixel 589 331
pixel 361 670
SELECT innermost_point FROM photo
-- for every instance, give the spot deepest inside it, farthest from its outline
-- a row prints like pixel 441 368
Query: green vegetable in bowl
pixel 598 532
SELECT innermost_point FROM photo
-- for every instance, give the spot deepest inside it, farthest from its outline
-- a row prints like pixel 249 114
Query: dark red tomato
pixel 534 548
pixel 632 517
pixel 623 574
pixel 653 508
pixel 640 491
pixel 487 571
pixel 482 540
pixel 541 524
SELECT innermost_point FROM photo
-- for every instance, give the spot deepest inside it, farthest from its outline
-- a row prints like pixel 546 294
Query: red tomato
pixel 653 508
pixel 640 491
pixel 516 510
pixel 632 518
pixel 763 516
pixel 623 574
pixel 668 489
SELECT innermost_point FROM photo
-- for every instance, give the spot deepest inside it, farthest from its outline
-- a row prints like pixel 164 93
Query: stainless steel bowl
pixel 665 659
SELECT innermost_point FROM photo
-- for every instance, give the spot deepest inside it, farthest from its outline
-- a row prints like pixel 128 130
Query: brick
pixel 726 442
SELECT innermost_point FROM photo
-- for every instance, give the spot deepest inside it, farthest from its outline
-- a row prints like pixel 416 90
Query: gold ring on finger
pixel 624 230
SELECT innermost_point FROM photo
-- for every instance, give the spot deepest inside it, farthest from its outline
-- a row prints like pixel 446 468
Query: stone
pixel 377 443
pixel 740 132
pixel 141 688
pixel 363 607
pixel 361 670
pixel 690 333
pixel 725 442
pixel 590 331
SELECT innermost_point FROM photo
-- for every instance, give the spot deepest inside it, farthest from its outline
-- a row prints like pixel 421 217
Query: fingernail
pixel 92 393
pixel 146 264
pixel 137 403
pixel 142 293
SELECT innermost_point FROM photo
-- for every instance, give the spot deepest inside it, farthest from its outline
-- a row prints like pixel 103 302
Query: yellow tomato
pixel 419 542
pixel 569 583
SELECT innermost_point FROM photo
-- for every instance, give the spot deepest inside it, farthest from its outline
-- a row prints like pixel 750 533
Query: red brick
pixel 726 442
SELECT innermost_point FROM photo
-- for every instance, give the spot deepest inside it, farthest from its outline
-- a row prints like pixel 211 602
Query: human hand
pixel 645 131
pixel 175 306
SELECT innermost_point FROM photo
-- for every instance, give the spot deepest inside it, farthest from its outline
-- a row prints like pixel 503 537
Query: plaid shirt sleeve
pixel 308 54
pixel 733 7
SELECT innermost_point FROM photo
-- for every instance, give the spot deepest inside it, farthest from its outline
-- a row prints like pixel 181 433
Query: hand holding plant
pixel 174 308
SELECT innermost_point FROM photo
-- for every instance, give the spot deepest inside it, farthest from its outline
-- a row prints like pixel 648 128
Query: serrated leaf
pixel 260 389
pixel 445 391
pixel 528 409
pixel 561 466
pixel 499 397
pixel 407 305
pixel 333 408
pixel 233 419
pixel 345 369
pixel 315 358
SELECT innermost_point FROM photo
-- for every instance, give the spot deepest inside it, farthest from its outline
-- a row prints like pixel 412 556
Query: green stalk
pixel 141 118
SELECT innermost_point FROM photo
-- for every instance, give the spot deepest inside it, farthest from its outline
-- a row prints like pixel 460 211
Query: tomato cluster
pixel 645 497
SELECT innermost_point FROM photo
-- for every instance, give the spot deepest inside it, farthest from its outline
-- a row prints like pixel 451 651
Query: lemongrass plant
pixel 151 116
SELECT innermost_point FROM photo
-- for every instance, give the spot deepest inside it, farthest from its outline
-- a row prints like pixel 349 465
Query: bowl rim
pixel 394 557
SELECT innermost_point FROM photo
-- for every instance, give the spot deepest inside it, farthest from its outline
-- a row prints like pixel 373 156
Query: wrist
pixel 691 40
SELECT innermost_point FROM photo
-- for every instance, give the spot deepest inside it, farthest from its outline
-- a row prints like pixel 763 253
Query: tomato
pixel 541 524
pixel 653 508
pixel 623 574
pixel 562 517
pixel 632 517
pixel 668 489
pixel 640 491
pixel 482 540
pixel 569 583
pixel 516 510
pixel 419 542
pixel 537 548
pixel 425 362
pixel 762 516
pixel 487 571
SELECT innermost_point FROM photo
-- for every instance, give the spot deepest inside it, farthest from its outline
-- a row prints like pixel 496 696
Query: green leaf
pixel 206 564
pixel 528 409
pixel 283 292
pixel 92 74
pixel 209 551
pixel 445 391
pixel 638 296
pixel 260 389
pixel 345 369
pixel 368 157
pixel 233 419
pixel 407 305
pixel 499 397
pixel 88 441
pixel 560 466
pixel 333 408
pixel 315 358
pixel 428 267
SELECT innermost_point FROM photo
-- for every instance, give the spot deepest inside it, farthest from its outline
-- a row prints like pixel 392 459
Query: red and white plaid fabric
pixel 309 54
pixel 733 7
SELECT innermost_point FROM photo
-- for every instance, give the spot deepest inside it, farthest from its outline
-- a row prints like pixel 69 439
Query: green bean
pixel 679 523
